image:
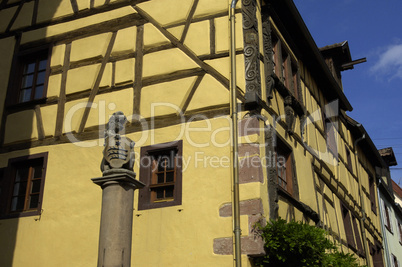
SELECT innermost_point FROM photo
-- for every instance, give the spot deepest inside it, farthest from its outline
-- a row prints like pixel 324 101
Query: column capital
pixel 118 176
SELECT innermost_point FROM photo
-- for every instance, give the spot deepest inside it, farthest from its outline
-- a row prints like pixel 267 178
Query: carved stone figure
pixel 118 152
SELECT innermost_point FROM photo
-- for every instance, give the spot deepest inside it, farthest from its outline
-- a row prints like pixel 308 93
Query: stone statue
pixel 118 152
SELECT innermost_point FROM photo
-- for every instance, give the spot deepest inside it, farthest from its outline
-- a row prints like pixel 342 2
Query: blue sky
pixel 373 30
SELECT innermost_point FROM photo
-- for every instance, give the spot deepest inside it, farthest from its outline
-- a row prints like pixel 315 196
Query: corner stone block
pixel 250 170
pixel 249 126
pixel 247 207
pixel 249 245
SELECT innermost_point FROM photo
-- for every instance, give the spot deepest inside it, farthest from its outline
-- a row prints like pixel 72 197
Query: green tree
pixel 300 244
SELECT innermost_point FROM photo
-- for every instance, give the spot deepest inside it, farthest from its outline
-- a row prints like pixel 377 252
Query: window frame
pixel 387 218
pixel 284 151
pixel 376 254
pixel 349 159
pixel 359 244
pixel 9 182
pixel 372 194
pixel 347 224
pixel 285 66
pixel 395 262
pixel 16 76
pixel 330 131
pixel 146 199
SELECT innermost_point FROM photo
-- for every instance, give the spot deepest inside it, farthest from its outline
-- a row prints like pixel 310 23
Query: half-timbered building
pixel 68 65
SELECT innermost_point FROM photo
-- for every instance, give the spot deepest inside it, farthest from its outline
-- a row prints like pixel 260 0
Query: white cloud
pixel 389 64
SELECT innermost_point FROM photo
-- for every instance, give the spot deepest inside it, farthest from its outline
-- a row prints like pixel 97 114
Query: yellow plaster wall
pixel 176 31
pixel 6 44
pixel 167 12
pixel 73 112
pixel 105 105
pixel 61 28
pixel 161 62
pixel 306 186
pixel 83 4
pixel 164 98
pixel 49 119
pixel 5 17
pixel 76 83
pixel 152 36
pixel 197 38
pixel 207 7
pixel 21 126
pixel 66 219
pixel 222 65
pixel 209 93
pixel 192 240
pixel 89 47
pixel 125 41
pixel 57 57
pixel 50 9
pixel 53 85
pixel 222 33
pixel 24 18
pixel 124 71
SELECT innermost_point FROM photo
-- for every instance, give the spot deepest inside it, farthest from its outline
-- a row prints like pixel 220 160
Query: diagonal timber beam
pixel 98 80
pixel 207 68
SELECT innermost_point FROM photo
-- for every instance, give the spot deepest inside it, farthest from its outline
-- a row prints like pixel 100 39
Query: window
pixel 357 234
pixel 285 66
pixel 161 173
pixel 285 69
pixel 387 221
pixel 330 130
pixel 349 159
pixel 348 226
pixel 31 75
pixel 400 233
pixel 275 54
pixel 372 194
pixel 376 253
pixel 284 167
pixel 295 80
pixel 2 190
pixel 394 261
pixel 25 179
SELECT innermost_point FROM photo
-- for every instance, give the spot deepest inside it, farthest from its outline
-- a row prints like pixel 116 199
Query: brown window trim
pixel 283 150
pixel 347 223
pixel 387 218
pixel 146 197
pixel 357 235
pixel 395 261
pixel 330 134
pixel 9 181
pixel 349 159
pixel 376 253
pixel 15 80
pixel 286 68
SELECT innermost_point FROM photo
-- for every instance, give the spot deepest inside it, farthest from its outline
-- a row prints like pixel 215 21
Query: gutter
pixel 235 160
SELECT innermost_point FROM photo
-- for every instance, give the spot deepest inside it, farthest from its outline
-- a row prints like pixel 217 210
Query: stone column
pixel 115 236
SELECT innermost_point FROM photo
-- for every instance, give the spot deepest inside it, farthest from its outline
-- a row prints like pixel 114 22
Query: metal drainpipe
pixel 233 111
pixel 361 220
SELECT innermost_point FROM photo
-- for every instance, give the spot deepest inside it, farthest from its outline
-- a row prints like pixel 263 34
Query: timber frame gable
pixel 205 68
